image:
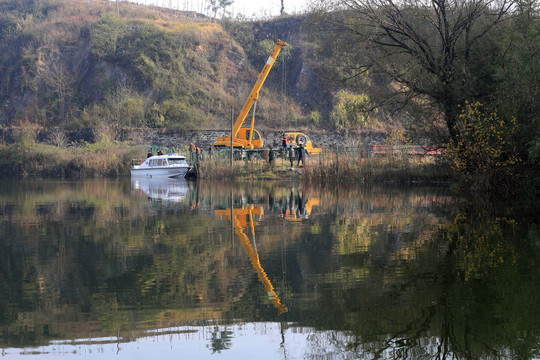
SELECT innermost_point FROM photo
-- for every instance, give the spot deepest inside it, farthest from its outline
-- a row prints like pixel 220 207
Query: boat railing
pixel 137 162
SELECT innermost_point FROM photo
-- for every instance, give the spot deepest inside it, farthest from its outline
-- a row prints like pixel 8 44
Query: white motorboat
pixel 170 165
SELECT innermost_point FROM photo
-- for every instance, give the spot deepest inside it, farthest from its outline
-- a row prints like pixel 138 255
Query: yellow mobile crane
pixel 249 138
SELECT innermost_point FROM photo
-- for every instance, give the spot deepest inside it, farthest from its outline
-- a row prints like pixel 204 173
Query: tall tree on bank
pixel 216 5
pixel 432 52
pixel 518 92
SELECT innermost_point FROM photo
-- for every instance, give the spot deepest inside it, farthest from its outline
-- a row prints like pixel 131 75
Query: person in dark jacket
pixel 291 155
pixel 300 150
pixel 271 157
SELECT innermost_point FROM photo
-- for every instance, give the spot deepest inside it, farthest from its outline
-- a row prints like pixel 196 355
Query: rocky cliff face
pixel 304 82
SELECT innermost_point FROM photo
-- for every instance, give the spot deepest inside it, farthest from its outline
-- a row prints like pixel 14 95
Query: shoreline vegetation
pixel 106 158
pixel 330 166
pixel 109 158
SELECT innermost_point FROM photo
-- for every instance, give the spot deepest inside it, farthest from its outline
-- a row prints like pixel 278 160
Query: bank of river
pixel 111 159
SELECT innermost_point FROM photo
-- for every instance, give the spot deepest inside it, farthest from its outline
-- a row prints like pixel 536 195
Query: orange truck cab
pixel 296 138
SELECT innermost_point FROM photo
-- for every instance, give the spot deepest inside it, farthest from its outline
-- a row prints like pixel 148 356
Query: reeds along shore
pixel 329 166
pixel 89 160
pixel 112 159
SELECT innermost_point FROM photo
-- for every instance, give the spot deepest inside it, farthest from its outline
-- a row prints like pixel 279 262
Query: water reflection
pixel 161 189
pixel 364 271
pixel 241 219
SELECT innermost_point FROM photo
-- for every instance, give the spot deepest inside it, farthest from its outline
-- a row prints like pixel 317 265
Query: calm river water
pixel 122 269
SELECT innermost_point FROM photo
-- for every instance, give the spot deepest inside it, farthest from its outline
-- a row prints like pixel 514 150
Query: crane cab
pixel 245 139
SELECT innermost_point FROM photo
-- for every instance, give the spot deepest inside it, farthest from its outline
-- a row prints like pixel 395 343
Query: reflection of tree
pixel 469 291
pixel 375 271
pixel 481 246
pixel 220 340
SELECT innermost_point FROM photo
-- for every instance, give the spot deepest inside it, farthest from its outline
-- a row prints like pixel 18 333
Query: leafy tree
pixel 518 72
pixel 432 53
pixel 216 5
pixel 484 154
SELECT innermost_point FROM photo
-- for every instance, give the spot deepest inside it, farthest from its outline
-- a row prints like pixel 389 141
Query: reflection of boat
pixel 241 219
pixel 169 189
pixel 170 165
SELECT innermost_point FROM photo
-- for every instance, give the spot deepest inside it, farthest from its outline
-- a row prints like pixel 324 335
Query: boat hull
pixel 168 172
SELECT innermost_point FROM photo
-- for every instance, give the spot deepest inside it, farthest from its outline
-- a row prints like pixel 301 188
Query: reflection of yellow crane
pixel 241 219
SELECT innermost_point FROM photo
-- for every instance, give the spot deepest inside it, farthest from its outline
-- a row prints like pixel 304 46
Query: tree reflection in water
pixel 221 340
pixel 365 271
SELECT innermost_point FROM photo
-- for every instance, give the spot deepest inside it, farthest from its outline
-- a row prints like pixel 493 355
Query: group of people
pixel 197 153
pixel 150 153
pixel 290 151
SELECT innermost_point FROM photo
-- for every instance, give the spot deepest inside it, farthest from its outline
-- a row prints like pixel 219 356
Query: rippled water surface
pixel 122 269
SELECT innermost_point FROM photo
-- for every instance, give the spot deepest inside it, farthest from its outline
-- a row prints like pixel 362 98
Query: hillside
pixel 79 65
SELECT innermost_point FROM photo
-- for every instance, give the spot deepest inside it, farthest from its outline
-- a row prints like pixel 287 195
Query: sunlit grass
pixel 74 161
pixel 400 168
pixel 329 166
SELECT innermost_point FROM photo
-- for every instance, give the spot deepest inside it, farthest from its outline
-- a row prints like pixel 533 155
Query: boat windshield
pixel 177 161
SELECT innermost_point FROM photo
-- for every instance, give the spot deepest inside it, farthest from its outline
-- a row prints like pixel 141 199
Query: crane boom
pixel 254 95
pixel 252 99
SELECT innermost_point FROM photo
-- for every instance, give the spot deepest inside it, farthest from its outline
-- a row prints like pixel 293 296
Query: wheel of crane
pixel 301 140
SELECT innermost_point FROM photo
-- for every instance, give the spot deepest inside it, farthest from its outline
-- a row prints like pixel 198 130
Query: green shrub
pixel 181 116
pixel 315 117
pixel 484 156
pixel 349 110
pixel 106 36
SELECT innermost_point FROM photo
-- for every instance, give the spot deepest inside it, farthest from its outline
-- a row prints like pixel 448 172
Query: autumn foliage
pixel 484 156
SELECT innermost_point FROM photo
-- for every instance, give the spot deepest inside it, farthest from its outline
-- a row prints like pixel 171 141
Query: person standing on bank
pixel 271 157
pixel 300 149
pixel 284 142
pixel 291 155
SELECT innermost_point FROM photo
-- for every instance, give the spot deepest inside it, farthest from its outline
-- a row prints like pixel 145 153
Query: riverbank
pixel 332 166
pixel 85 161
pixel 30 153
pixel 108 159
